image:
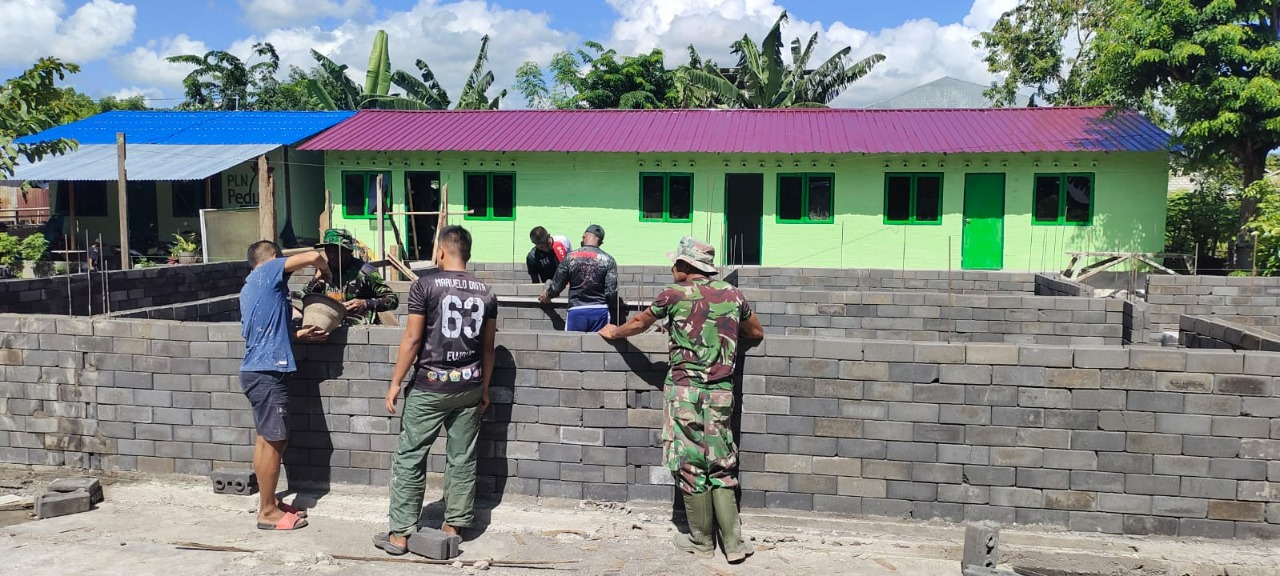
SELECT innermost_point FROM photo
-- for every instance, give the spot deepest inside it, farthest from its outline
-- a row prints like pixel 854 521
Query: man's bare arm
pixel 410 343
pixel 636 325
pixel 751 328
pixel 488 336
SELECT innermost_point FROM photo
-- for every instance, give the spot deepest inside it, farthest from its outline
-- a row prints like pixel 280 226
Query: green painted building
pixel 996 189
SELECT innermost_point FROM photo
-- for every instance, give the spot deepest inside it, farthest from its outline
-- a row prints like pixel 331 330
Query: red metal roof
pixel 794 131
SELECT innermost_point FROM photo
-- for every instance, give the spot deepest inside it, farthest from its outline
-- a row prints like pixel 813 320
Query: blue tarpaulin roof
pixel 194 128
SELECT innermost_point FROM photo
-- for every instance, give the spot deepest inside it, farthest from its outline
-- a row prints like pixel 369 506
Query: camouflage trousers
pixel 697 441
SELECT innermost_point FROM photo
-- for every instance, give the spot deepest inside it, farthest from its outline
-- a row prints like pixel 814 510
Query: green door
pixel 982 247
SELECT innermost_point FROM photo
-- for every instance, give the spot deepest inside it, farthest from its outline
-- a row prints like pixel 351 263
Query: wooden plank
pixel 324 214
pixel 1098 267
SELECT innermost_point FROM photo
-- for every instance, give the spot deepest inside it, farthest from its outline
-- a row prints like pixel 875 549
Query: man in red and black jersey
pixel 448 343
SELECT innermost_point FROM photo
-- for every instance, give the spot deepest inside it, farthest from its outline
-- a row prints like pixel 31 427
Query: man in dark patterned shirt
pixel 704 317
pixel 449 345
pixel 592 278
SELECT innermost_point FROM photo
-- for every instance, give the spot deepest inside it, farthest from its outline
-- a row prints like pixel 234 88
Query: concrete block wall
pixel 81 294
pixel 915 316
pixel 806 278
pixel 1170 297
pixel 219 309
pixel 1219 332
pixel 1136 441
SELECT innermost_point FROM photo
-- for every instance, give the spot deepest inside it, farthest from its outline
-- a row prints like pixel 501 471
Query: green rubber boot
pixel 700 541
pixel 726 510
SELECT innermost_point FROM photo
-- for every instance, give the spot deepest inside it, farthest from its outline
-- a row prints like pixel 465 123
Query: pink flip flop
pixel 289 521
pixel 291 509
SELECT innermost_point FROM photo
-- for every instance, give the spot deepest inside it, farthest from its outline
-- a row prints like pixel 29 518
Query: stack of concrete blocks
pixel 1056 285
pixel 1123 440
pixel 69 496
pixel 217 309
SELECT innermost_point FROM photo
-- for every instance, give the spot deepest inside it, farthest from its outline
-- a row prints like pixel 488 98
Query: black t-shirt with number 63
pixel 456 306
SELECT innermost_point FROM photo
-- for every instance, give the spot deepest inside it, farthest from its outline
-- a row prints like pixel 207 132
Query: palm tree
pixel 221 80
pixel 761 79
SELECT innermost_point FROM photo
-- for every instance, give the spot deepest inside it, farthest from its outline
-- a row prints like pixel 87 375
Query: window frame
pixel 62 199
pixel 488 185
pixel 369 177
pixel 915 177
pixel 804 198
pixel 1062 198
pixel 666 197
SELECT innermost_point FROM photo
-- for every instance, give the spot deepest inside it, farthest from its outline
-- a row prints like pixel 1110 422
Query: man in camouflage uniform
pixel 704 317
pixel 364 292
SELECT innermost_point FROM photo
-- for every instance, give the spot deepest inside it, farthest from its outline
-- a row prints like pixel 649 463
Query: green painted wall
pixel 566 192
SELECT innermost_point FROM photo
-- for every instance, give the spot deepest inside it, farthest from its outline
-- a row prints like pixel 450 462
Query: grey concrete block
pixel 434 544
pixel 1179 507
pixel 238 481
pixel 1126 421
pixel 54 504
pixel 1241 426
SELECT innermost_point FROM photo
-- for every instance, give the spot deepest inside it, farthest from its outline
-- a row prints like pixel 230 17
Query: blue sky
pixel 121 44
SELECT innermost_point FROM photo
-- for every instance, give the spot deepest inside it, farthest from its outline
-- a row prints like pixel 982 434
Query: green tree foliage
pixel 135 102
pixel 32 102
pixel 531 84
pixel 1202 221
pixel 1047 46
pixel 222 81
pixel 762 79
pixel 1214 63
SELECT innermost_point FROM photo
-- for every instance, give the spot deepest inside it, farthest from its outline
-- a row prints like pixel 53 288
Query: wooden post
pixel 442 219
pixel 324 214
pixel 208 192
pixel 382 240
pixel 411 250
pixel 122 201
pixel 71 209
pixel 266 203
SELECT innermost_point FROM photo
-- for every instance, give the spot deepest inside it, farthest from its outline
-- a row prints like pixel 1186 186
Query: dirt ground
pixel 133 532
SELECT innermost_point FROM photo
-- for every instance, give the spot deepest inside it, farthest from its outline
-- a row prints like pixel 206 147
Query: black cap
pixel 597 230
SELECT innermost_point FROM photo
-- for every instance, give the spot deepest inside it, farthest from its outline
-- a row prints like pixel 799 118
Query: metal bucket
pixel 323 312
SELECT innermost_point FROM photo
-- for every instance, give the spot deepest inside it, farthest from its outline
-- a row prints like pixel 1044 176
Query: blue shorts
pixel 269 397
pixel 586 319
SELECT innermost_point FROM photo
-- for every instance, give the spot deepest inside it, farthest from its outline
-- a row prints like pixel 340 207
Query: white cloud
pixel 268 14
pixel 151 94
pixel 916 51
pixel 145 67
pixel 36 28
pixel 445 35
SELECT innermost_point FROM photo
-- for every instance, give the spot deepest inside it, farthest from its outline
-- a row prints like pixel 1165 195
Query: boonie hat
pixel 700 255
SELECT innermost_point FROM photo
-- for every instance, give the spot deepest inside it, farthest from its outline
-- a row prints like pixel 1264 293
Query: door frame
pixel 725 211
pixel 964 217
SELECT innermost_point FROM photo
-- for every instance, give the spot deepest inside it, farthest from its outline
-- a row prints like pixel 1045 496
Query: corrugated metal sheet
pixel 797 131
pixel 180 128
pixel 142 162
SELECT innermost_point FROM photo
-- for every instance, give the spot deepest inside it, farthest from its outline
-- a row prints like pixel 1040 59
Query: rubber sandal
pixel 291 509
pixel 289 521
pixel 383 542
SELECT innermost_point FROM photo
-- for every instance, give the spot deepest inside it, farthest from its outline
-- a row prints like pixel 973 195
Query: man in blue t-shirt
pixel 268 359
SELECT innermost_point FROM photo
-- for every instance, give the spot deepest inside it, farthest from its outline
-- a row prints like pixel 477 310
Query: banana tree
pixel 761 79
pixel 473 95
pixel 426 91
pixel 342 93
